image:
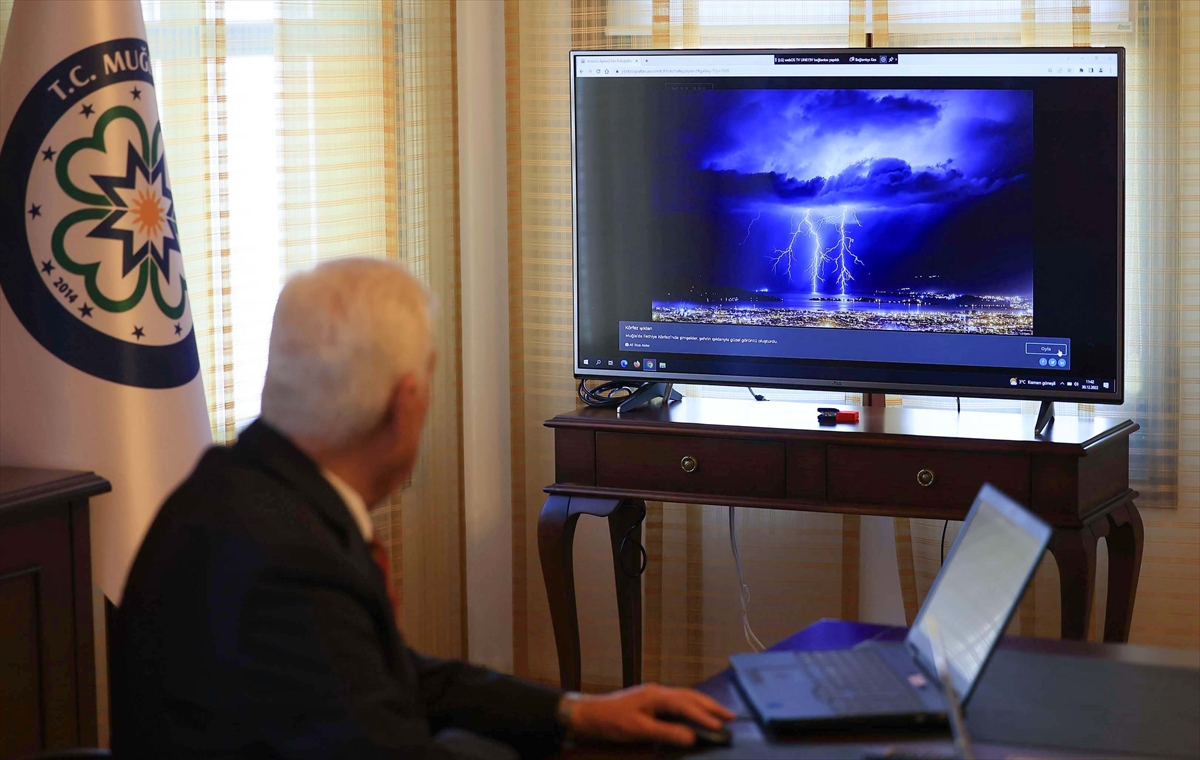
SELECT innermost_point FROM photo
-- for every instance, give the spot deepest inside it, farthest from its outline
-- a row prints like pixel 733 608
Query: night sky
pixel 940 180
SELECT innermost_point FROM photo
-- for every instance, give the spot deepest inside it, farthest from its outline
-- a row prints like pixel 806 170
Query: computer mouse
pixel 705 737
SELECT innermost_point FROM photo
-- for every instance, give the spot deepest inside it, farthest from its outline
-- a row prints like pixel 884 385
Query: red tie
pixel 379 553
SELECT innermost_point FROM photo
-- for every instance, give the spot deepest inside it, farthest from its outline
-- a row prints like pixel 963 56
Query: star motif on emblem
pixel 47 267
pixel 136 93
pixel 178 329
pixel 85 311
pixel 139 332
pixel 34 211
pixel 87 111
pixel 143 215
pixel 48 154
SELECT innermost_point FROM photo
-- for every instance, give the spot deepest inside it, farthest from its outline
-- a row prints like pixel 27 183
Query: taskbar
pixel 1074 384
pixel 648 368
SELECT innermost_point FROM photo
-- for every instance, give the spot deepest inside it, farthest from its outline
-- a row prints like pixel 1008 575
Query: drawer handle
pixel 925 478
pixel 689 464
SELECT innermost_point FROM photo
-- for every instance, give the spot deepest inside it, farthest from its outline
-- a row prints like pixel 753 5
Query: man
pixel 256 621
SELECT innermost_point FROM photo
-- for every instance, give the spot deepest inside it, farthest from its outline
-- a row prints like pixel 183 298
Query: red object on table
pixel 851 416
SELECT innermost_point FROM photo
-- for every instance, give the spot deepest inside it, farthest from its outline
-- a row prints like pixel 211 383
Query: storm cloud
pixel 939 181
pixel 840 146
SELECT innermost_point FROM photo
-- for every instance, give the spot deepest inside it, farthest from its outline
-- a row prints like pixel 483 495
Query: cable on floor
pixel 743 589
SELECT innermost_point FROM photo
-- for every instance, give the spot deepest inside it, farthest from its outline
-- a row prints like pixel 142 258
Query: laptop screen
pixel 981 582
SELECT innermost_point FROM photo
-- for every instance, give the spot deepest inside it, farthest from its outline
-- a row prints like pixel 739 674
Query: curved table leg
pixel 626 523
pixel 556 537
pixel 1125 536
pixel 1074 550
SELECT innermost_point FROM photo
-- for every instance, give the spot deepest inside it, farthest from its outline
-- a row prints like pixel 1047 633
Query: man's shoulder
pixel 229 507
pixel 219 473
pixel 232 524
pixel 232 489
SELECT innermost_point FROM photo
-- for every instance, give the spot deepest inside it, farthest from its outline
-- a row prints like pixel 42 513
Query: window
pixel 253 194
pixel 244 210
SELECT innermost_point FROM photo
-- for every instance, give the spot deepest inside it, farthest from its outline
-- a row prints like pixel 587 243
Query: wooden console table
pixel 47 650
pixel 896 462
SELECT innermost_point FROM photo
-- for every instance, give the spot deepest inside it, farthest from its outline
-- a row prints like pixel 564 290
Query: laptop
pixel 898 683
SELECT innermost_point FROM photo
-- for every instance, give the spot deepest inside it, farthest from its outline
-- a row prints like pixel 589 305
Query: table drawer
pixel 922 478
pixel 690 464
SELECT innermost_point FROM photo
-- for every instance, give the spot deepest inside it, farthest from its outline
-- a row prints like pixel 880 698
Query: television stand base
pixel 1045 417
pixel 648 394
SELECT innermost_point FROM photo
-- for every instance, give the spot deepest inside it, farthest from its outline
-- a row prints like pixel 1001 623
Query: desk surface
pixel 836 634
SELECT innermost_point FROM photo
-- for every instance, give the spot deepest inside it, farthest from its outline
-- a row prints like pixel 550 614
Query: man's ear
pixel 404 394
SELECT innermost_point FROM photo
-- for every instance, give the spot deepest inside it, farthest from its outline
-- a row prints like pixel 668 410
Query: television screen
pixel 922 221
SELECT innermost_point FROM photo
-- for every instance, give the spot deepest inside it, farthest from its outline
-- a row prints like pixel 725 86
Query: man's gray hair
pixel 343 336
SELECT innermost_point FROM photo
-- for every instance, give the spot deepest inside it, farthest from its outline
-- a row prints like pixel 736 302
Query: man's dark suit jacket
pixel 255 624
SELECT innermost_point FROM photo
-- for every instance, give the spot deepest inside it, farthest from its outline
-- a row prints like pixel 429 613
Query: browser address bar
pixel 682 71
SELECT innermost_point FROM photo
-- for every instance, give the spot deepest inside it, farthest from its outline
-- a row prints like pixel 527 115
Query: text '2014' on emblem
pixel 90 261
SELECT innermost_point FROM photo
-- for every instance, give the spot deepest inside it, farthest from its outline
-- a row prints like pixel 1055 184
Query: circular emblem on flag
pixel 92 266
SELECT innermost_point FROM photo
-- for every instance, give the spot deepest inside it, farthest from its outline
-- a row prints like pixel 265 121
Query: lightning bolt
pixel 844 256
pixel 787 256
pixel 748 226
pixel 820 256
pixel 840 255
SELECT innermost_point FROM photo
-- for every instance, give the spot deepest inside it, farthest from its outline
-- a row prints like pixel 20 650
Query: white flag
pixel 98 362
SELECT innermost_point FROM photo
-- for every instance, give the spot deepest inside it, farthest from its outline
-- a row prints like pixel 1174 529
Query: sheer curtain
pixel 300 131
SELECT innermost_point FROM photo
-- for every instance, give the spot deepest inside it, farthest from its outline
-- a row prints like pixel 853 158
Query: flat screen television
pixel 928 221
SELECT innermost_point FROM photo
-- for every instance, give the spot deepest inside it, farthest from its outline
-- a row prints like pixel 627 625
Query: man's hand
pixel 634 715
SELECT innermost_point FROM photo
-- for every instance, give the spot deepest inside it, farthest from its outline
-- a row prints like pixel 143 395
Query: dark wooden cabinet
pixel 896 461
pixel 47 651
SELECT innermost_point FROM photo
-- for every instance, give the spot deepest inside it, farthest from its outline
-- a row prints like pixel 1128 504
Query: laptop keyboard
pixel 856 681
